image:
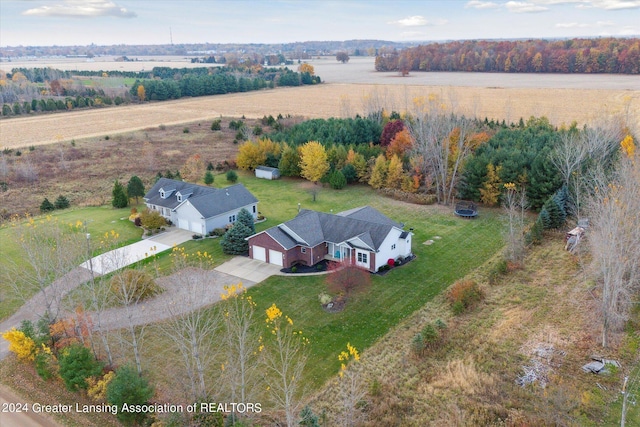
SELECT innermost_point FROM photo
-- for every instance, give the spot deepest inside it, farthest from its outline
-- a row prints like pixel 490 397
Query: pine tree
pixel 135 188
pixel 246 219
pixel 120 199
pixel 337 180
pixel 379 172
pixel 46 206
pixel 233 242
pixel 61 202
pixel 208 177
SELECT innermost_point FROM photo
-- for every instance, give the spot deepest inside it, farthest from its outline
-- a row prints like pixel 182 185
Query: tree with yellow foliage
pixel 20 344
pixel 314 163
pixel 491 190
pixel 395 173
pixel 306 68
pixel 193 169
pixel 142 93
pixel 379 172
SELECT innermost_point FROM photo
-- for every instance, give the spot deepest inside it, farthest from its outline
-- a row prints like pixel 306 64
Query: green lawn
pixel 99 220
pixel 464 245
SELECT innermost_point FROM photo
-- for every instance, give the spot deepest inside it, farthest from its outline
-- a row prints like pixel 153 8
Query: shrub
pixel 137 221
pixel 294 269
pixel 429 337
pixel 76 364
pixel 417 198
pixel 215 125
pixel 46 206
pixel 218 232
pixel 61 202
pixel 208 177
pixel 232 176
pixel 324 298
pixel 236 124
pixel 463 295
pixel 257 130
pixel 185 130
pixel 134 285
pixel 337 180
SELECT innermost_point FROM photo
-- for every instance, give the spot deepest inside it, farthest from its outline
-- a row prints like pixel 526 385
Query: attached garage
pixel 183 223
pixel 259 253
pixel 275 257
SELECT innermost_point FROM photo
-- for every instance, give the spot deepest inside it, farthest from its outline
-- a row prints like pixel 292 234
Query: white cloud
pixel 81 9
pixel 412 21
pixel 481 5
pixel 605 24
pixel 418 21
pixel 571 25
pixel 616 4
pixel 524 7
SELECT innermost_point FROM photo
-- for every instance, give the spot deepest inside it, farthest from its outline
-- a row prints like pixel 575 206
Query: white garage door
pixel 259 253
pixel 196 227
pixel 275 257
pixel 183 223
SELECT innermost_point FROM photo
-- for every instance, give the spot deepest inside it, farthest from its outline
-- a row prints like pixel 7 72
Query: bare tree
pixel 443 140
pixel 569 156
pixel 614 238
pixel 50 255
pixel 192 327
pixel 351 388
pixel 285 360
pixel 514 204
pixel 242 343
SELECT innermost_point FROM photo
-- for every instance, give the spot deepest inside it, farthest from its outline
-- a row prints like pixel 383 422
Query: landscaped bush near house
pixel 463 295
pixel 152 220
pixel 219 232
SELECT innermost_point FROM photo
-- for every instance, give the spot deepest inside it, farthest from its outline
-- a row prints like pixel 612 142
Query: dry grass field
pixel 326 100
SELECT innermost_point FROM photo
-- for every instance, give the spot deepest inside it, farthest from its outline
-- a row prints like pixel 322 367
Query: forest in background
pixel 605 55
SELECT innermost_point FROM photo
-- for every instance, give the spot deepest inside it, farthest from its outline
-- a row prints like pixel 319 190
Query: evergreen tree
pixel 350 173
pixel 232 176
pixel 233 242
pixel 337 180
pixel 120 199
pixel 247 219
pixel 135 188
pixel 76 365
pixel 208 177
pixel 289 164
pixel 61 202
pixel 46 206
pixel 130 388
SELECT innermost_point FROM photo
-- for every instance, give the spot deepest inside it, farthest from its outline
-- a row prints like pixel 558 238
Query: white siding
pixel 187 212
pixel 387 250
pixel 221 221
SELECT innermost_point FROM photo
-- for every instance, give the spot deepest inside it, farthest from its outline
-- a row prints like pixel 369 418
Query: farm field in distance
pixel 561 98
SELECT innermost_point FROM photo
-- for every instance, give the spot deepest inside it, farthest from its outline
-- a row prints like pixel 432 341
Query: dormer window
pixel 162 194
pixel 179 196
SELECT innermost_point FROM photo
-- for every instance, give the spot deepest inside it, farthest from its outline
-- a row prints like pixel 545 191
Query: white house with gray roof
pixel 362 236
pixel 199 208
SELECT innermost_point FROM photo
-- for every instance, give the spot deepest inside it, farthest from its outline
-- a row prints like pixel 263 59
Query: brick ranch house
pixel 199 208
pixel 362 236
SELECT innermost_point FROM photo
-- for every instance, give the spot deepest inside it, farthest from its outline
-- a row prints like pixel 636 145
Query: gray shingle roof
pixel 208 201
pixel 365 223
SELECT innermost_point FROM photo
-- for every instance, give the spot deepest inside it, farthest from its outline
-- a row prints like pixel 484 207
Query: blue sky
pixel 107 22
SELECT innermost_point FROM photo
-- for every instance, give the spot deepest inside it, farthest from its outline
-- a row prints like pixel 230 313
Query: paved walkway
pixel 130 254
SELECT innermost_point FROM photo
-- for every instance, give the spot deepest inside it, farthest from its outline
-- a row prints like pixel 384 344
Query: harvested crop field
pixel 322 101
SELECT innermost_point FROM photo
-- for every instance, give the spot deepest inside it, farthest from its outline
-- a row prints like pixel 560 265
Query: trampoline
pixel 466 210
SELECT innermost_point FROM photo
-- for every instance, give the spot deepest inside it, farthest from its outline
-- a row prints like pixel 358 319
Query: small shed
pixel 267 172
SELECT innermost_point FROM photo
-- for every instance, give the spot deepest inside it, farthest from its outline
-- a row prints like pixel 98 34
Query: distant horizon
pixel 49 23
pixel 322 41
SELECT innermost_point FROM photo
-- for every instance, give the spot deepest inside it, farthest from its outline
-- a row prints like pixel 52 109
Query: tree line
pixel 603 55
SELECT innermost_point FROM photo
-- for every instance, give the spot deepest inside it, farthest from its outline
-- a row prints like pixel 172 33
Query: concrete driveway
pixel 127 255
pixel 249 269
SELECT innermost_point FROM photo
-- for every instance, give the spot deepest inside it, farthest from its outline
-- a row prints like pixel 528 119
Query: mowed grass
pixel 99 220
pixel 463 245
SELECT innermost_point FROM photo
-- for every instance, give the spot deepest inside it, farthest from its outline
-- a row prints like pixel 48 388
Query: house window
pixel 162 194
pixel 362 257
pixel 393 246
pixel 232 218
pixel 179 197
pixel 303 250
pixel 254 208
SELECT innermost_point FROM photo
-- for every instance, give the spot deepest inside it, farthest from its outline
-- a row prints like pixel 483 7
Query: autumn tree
pixel 379 172
pixel 351 388
pixel 345 278
pixel 313 161
pixel 285 357
pixel 390 130
pixel 306 68
pixel 514 203
pixel 289 164
pixel 395 173
pixel 142 93
pixel 358 162
pixel 490 190
pixel 193 168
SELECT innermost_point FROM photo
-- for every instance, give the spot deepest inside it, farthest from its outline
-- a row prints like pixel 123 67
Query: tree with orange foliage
pixel 193 169
pixel 142 93
pixel 401 144
pixel 306 68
